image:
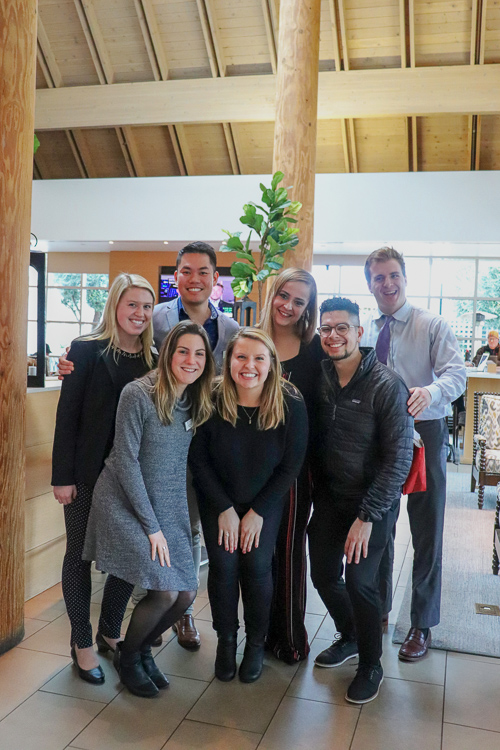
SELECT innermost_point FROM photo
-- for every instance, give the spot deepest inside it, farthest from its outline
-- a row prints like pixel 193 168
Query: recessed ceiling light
pixel 165 242
pixel 111 242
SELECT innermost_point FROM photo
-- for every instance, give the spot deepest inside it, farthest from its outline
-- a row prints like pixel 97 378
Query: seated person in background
pixel 492 348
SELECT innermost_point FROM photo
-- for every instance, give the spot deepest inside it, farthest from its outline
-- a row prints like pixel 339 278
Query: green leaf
pixel 291 221
pixel 274 264
pixel 247 244
pixel 36 144
pixel 249 209
pixel 281 195
pixel 241 270
pixel 277 177
pixel 263 274
pixel 295 207
pixel 263 187
pixel 268 197
pixel 246 256
pixel 234 243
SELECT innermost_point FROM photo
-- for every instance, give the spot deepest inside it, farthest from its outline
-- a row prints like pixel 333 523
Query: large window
pixel 74 307
pixel 465 291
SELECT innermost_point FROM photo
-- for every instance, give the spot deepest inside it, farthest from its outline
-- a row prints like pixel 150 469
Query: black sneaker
pixel 365 686
pixel 339 652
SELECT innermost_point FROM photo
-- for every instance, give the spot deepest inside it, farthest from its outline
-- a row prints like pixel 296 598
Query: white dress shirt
pixel 424 352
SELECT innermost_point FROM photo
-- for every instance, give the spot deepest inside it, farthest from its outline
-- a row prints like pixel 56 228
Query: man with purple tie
pixel 420 347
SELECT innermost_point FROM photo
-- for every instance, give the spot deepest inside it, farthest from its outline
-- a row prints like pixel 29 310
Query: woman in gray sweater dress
pixel 139 529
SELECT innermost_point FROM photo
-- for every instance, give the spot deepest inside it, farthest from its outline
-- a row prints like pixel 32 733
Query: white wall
pixel 357 208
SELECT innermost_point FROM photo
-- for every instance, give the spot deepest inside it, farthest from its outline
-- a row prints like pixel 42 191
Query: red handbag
pixel 416 481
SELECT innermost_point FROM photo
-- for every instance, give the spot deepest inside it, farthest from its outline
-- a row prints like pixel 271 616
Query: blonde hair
pixel 108 327
pixel 306 325
pixel 272 402
pixel 164 389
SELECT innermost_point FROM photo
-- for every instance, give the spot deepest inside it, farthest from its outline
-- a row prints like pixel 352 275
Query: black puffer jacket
pixel 363 438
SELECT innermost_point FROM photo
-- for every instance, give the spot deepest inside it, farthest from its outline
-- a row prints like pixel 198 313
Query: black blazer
pixel 86 412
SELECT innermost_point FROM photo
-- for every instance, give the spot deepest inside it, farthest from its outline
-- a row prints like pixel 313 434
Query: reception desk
pixel 476 381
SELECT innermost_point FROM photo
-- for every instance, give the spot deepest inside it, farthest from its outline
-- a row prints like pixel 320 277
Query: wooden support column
pixel 296 113
pixel 17 102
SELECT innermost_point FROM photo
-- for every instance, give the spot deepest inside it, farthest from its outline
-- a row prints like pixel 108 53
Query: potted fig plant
pixel 273 223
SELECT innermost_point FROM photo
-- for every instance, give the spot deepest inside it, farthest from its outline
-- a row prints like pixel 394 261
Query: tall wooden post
pixel 17 102
pixel 296 113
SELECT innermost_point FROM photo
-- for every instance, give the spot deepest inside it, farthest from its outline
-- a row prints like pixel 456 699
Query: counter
pixel 476 381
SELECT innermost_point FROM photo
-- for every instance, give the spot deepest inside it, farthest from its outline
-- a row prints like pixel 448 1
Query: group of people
pixel 147 444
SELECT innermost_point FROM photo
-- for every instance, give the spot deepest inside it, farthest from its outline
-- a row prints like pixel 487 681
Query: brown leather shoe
pixel 415 646
pixel 187 633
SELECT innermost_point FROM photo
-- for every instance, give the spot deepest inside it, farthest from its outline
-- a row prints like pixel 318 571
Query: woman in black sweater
pixel 289 318
pixel 243 461
pixel 117 352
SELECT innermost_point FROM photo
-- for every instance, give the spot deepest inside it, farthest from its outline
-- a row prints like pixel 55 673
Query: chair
pixel 486 443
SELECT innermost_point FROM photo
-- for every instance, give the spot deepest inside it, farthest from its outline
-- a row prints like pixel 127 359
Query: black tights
pixel 153 615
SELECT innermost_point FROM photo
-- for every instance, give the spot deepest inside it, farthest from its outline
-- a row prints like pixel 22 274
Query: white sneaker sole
pixel 337 664
pixel 367 700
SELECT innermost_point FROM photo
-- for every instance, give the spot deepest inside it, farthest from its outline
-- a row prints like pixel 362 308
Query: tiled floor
pixel 447 701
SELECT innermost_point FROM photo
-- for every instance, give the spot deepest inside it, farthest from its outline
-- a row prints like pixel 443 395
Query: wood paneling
pixel 372 33
pixel 43 566
pixel 40 416
pixel 443 143
pixel 180 31
pixel 329 151
pixel 38 469
pixel 254 146
pixel 44 520
pixel 156 152
pixel 442 32
pixel 490 142
pixel 382 145
pixel 55 158
pixel 208 150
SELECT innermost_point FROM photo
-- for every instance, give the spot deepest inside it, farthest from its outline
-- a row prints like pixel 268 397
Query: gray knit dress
pixel 141 490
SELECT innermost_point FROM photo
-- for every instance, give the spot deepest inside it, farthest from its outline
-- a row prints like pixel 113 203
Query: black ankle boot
pixel 151 669
pixel 225 660
pixel 132 674
pixel 253 657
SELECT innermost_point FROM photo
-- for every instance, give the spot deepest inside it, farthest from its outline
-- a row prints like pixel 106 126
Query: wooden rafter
pixel 388 92
pixel 185 150
pixel 86 154
pixel 478 33
pixel 177 150
pixel 215 35
pixel 337 55
pixel 349 130
pixel 152 39
pixel 70 135
pixel 271 38
pixel 207 36
pixel 36 170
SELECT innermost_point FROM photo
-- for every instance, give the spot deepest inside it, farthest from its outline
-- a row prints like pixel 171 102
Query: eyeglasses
pixel 341 328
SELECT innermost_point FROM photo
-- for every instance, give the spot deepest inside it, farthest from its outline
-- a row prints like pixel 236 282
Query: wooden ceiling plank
pixel 343 33
pixel 271 39
pixel 402 31
pixel 156 39
pixel 477 156
pixel 414 144
pixel 177 150
pixel 124 146
pixel 184 147
pixel 457 89
pixel 146 35
pixel 228 134
pixel 134 151
pixel 207 36
pixel 47 58
pixel 95 41
pixel 411 31
pixel 215 35
pixel 335 34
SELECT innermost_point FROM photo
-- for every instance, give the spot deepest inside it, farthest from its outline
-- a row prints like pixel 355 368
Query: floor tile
pixel 399 555
pixel 328 630
pixel 405 715
pixel 55 637
pixel 32 626
pixel 302 725
pixel 22 672
pixel 46 722
pixel 319 683
pixel 314 605
pixel 240 706
pixel 140 724
pixel 46 606
pixel 313 624
pixel 466 678
pixel 198 665
pixel 192 735
pixel 68 683
pixel 464 738
pixel 477 657
pixel 429 669
pixel 397 601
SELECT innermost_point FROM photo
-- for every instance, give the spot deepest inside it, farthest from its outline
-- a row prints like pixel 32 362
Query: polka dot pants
pixel 77 583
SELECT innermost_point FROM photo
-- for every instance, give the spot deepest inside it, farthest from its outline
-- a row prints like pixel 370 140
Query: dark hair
pixel 382 255
pixel 198 247
pixel 340 303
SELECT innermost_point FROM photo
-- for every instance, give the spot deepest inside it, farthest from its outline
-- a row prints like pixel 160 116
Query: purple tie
pixel 384 340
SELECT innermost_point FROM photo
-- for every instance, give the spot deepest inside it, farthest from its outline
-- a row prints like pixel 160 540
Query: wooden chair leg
pixel 480 496
pixel 472 483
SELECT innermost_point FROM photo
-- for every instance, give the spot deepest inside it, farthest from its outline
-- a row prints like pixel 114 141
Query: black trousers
pixel 77 582
pixel 426 514
pixel 252 571
pixel 354 605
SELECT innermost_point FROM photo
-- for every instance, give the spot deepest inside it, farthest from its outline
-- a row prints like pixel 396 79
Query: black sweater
pixel 363 438
pixel 244 467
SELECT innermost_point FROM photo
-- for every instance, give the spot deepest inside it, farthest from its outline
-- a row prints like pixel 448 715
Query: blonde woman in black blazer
pixel 117 352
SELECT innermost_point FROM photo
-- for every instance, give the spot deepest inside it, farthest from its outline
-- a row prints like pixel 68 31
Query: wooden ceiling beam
pixel 271 38
pixel 95 40
pixel 337 56
pixel 185 150
pixel 478 33
pixel 207 17
pixel 152 39
pixel 177 150
pixel 457 89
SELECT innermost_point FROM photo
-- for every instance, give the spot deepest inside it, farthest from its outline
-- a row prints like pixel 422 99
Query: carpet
pixel 467 576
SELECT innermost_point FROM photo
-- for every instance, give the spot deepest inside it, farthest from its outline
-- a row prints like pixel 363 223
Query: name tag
pixel 188 425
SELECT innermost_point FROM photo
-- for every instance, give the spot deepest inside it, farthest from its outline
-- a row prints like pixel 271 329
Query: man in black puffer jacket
pixel 362 452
